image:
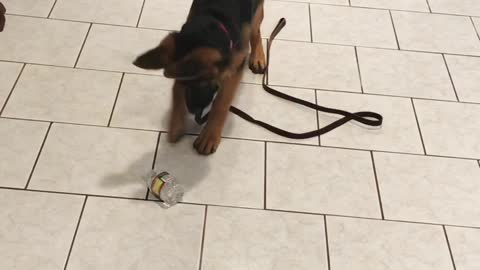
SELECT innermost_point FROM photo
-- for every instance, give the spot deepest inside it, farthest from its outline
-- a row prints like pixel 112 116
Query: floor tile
pixel 36 229
pixel 105 11
pixel 461 7
pixel 129 234
pixel 409 74
pixel 42 41
pixel 114 48
pixel 256 239
pixel 332 2
pixel 429 189
pixel 265 107
pixel 449 129
pixel 165 14
pixel 19 146
pixel 436 33
pixel 297 64
pixel 29 7
pixel 64 95
pixel 328 2
pixel 399 132
pixel 465 245
pixel 352 26
pixel 143 102
pixel 233 176
pixel 316 180
pixel 378 245
pixel 297 16
pixel 8 75
pixel 95 160
pixel 465 73
pixel 412 5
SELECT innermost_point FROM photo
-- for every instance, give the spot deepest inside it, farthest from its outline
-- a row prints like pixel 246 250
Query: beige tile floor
pixel 80 125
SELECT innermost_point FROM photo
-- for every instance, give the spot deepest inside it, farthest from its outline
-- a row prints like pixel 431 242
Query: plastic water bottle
pixel 165 187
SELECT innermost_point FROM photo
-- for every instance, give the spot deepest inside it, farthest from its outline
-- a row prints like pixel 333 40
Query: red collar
pixel 225 30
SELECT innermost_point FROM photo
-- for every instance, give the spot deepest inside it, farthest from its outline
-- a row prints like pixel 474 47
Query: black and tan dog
pixel 209 51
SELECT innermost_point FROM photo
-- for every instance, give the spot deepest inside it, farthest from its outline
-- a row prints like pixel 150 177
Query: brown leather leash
pixel 367 118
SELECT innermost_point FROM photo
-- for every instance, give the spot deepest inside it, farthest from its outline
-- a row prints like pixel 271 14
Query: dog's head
pixel 198 54
pixel 2 16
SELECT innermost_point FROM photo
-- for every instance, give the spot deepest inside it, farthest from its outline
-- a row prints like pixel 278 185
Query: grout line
pixel 249 83
pixel 265 178
pixel 429 8
pixel 116 98
pixel 287 1
pixel 156 150
pixel 51 10
pixel 475 28
pixel 82 124
pixel 83 44
pixel 318 120
pixel 478 163
pixel 141 12
pixel 349 2
pixel 358 68
pixel 280 39
pixel 394 29
pixel 377 185
pixel 11 90
pixel 376 94
pixel 357 217
pixel 203 238
pixel 418 125
pixel 449 247
pixel 154 160
pixel 38 155
pixel 241 207
pixel 310 21
pixel 450 76
pixel 146 194
pixel 254 140
pixel 76 231
pixel 326 242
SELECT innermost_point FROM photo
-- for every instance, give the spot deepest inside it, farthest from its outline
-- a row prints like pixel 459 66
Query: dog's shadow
pixel 180 160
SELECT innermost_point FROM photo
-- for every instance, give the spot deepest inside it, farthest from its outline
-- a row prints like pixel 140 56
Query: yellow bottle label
pixel 157 185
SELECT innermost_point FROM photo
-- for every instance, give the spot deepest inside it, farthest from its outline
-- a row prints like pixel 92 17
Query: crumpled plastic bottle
pixel 165 187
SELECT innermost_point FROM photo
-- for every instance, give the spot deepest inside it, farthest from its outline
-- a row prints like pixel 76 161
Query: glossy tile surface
pixel 235 240
pixel 79 121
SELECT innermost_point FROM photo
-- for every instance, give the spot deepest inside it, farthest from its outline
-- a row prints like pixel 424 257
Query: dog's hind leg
pixel 257 56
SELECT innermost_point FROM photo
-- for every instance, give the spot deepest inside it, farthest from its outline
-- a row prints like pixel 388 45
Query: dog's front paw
pixel 176 130
pixel 257 64
pixel 208 141
pixel 257 61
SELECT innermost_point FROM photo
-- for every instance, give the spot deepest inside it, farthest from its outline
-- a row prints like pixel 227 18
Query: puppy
pixel 208 52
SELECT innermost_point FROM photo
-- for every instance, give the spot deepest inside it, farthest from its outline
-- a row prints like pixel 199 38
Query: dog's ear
pixel 202 63
pixel 160 56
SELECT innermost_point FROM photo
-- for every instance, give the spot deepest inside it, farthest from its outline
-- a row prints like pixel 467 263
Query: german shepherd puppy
pixel 208 52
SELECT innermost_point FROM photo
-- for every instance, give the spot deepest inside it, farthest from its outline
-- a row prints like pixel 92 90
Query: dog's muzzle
pixel 198 98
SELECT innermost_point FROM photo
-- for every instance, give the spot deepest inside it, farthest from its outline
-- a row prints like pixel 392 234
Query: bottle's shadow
pixel 179 159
